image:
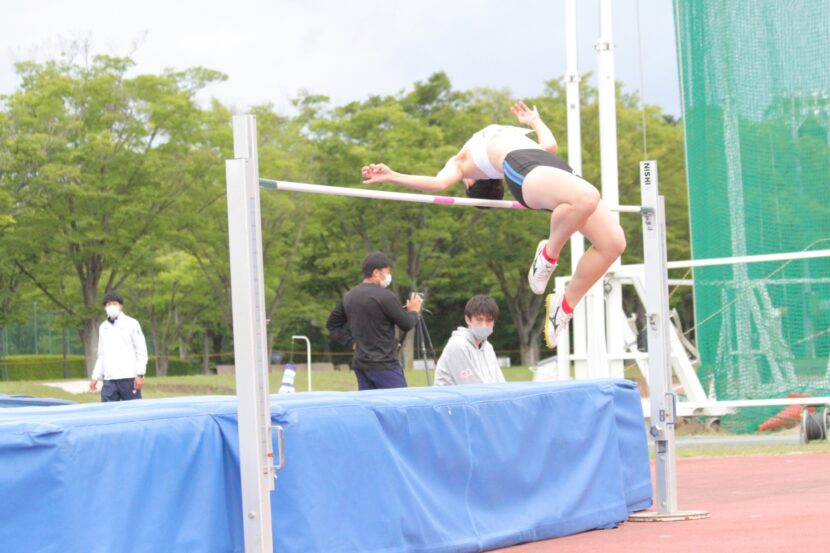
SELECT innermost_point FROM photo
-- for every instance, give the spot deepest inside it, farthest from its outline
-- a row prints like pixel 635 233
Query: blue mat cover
pixel 29 401
pixel 466 468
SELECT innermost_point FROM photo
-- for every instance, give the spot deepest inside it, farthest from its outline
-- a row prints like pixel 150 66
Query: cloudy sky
pixel 348 49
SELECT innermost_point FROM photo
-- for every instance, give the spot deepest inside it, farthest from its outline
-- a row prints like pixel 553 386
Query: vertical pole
pixel 563 353
pixel 596 365
pixel 610 178
pixel 661 396
pixel 308 356
pixel 578 323
pixel 3 371
pixel 250 347
pixel 205 353
pixel 34 317
pixel 65 352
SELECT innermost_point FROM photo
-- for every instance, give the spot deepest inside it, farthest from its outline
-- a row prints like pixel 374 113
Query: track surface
pixel 760 504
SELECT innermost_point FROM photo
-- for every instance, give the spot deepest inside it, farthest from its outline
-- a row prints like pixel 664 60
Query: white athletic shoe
pixel 540 271
pixel 555 319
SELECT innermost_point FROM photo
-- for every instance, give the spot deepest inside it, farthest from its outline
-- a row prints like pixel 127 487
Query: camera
pixel 419 294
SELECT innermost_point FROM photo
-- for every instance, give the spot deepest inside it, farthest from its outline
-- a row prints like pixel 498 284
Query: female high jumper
pixel 539 180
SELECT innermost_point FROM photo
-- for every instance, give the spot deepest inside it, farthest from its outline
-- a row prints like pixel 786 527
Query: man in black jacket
pixel 372 312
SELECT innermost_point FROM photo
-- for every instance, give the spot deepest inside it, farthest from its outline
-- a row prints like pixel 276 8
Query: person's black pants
pixel 377 379
pixel 120 389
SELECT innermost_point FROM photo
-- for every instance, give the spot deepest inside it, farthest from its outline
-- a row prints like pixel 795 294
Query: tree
pixel 98 161
pixel 401 133
pixel 202 231
pixel 458 253
pixel 110 181
pixel 167 295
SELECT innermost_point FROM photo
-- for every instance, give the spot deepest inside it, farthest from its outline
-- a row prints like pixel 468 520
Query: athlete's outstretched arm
pixel 531 118
pixel 446 177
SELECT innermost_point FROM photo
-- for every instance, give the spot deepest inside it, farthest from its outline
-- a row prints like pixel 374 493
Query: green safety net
pixel 755 77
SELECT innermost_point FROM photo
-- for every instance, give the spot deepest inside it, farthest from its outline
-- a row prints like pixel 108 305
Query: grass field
pixel 176 386
pixel 198 385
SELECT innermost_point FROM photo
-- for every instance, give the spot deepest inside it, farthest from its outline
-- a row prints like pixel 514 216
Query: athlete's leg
pixel 607 244
pixel 572 200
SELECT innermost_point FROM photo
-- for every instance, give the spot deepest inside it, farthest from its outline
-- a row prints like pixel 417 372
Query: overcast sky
pixel 348 49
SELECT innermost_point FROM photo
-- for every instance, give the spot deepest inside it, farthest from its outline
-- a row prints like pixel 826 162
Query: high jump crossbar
pixel 286 186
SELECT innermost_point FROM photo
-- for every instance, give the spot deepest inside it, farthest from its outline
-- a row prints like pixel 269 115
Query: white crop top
pixel 477 144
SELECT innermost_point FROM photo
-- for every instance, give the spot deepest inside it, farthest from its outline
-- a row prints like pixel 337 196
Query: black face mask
pixel 486 189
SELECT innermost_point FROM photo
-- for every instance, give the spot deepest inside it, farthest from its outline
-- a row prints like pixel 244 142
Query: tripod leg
pixel 430 347
pixel 423 332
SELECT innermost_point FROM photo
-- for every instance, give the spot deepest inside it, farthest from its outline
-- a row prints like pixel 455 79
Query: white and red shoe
pixel 540 270
pixel 555 319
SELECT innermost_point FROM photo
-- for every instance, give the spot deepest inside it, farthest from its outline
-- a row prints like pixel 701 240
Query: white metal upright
pixel 661 395
pixel 307 356
pixel 610 188
pixel 256 462
pixel 578 323
pixel 662 399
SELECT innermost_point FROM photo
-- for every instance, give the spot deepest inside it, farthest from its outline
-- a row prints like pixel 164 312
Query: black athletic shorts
pixel 519 163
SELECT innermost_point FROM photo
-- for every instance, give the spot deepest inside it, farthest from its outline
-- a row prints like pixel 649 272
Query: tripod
pixel 423 344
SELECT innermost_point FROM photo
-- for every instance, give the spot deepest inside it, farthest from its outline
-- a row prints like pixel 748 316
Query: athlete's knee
pixel 616 242
pixel 587 200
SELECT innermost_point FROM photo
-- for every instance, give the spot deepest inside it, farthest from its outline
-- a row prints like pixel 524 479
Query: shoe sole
pixel 541 245
pixel 548 303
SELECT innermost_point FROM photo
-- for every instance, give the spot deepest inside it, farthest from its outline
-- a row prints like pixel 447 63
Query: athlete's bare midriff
pixel 500 146
pixel 497 150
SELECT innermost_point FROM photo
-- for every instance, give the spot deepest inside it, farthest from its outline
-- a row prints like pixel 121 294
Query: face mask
pixel 481 333
pixel 387 280
pixel 113 311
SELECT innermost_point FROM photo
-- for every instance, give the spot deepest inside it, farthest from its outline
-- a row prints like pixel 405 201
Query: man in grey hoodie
pixel 468 357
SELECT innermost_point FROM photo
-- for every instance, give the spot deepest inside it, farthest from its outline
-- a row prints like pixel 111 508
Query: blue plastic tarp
pixel 466 468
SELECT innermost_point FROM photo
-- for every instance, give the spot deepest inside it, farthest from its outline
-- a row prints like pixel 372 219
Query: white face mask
pixel 387 280
pixel 113 311
pixel 481 333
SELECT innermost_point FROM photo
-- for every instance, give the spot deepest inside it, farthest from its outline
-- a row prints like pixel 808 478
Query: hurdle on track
pixel 257 467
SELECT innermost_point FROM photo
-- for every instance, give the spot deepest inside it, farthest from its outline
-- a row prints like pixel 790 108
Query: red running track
pixel 763 504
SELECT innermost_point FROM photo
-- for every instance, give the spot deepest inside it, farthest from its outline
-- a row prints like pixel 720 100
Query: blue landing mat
pixel 466 468
pixel 7 401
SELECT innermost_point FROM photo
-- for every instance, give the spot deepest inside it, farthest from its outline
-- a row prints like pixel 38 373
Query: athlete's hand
pixel 376 172
pixel 524 114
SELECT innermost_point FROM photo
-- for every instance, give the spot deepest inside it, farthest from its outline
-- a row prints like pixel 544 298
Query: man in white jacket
pixel 122 353
pixel 468 357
